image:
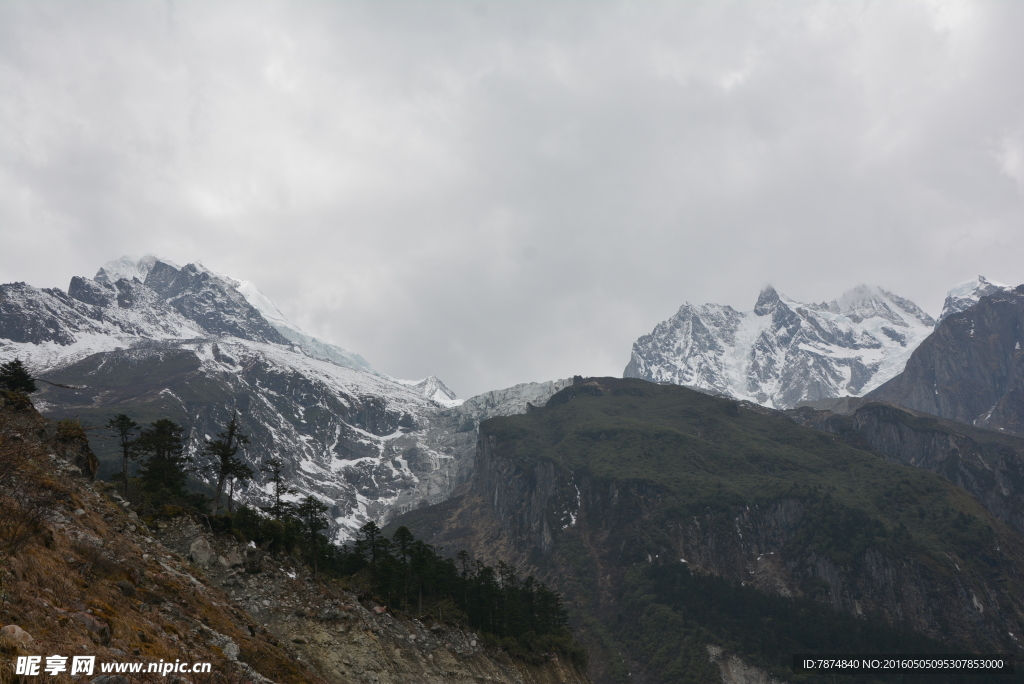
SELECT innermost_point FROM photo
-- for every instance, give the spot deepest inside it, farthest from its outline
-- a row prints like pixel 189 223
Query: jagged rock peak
pixel 784 351
pixel 168 281
pixel 966 294
pixel 768 301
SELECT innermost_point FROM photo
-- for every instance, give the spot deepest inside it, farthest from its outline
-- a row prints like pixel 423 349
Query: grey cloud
pixel 505 192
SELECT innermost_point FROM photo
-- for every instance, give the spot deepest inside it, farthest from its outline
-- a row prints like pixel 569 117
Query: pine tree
pixel 222 452
pixel 124 428
pixel 369 545
pixel 240 472
pixel 164 467
pixel 14 377
pixel 274 467
pixel 313 514
pixel 403 539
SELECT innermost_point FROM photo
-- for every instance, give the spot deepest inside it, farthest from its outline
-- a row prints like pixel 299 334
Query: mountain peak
pixel 858 295
pixel 432 388
pixel 784 351
pixel 768 301
pixel 129 267
pixel 966 294
pixel 868 301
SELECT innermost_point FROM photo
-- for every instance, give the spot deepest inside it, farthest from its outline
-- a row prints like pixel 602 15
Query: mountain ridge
pixel 619 490
pixel 782 352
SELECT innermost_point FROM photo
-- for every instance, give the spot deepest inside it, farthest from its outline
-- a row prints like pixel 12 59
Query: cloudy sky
pixel 498 192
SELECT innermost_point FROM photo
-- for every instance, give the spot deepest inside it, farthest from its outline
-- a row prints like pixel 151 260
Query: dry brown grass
pixel 56 566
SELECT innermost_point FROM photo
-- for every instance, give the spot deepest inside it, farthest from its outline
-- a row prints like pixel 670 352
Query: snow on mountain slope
pixel 316 348
pixel 432 388
pixel 152 339
pixel 966 294
pixel 784 351
pixel 129 268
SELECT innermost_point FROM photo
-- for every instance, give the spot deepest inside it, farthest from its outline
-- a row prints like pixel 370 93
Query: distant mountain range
pixel 153 339
pixel 693 536
pixel 784 352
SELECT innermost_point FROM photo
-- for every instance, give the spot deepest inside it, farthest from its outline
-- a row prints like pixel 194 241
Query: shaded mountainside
pixel 369 447
pixel 674 523
pixel 354 439
pixel 83 575
pixel 971 369
pixel 988 464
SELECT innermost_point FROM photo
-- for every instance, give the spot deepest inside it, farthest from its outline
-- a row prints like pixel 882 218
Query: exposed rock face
pixel 455 430
pixel 971 369
pixel 735 671
pixel 351 640
pixel 215 305
pixel 990 465
pixel 784 352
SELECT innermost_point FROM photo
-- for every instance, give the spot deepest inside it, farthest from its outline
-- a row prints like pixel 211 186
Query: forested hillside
pixel 674 521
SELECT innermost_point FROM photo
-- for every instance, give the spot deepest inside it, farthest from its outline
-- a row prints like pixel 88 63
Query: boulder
pixel 231 650
pixel 232 559
pixel 18 636
pixel 200 552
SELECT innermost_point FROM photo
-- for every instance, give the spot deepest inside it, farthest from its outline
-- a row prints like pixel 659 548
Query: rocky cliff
pixel 986 463
pixel 971 369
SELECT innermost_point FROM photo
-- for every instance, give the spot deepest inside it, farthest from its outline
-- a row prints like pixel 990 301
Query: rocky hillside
pixel 971 369
pixel 986 463
pixel 675 522
pixel 83 575
pixel 783 351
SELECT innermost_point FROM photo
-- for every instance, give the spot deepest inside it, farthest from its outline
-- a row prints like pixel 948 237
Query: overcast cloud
pixel 500 192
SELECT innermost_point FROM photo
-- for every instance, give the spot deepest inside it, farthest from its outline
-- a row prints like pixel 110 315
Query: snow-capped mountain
pixel 967 294
pixel 784 351
pixel 153 339
pixel 432 388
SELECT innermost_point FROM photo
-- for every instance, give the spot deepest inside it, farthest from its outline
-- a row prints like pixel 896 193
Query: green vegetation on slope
pixel 707 454
pixel 688 456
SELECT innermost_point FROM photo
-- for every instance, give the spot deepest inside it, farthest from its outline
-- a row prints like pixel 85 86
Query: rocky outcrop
pixel 988 464
pixel 971 369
